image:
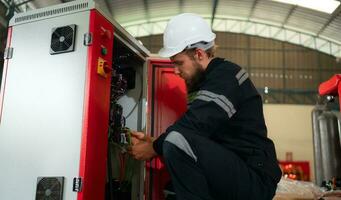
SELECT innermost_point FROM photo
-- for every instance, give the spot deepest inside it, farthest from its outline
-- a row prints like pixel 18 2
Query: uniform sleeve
pixel 214 105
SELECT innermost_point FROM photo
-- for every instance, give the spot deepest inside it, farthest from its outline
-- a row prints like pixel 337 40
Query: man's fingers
pixel 134 140
pixel 133 153
pixel 138 135
pixel 130 151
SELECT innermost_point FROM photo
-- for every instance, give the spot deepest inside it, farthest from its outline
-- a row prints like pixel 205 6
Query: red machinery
pixel 326 120
pixel 332 87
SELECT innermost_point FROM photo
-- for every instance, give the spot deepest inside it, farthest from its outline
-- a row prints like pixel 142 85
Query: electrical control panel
pixel 72 90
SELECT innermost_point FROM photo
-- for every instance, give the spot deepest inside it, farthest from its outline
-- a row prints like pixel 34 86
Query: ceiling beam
pixel 11 5
pixel 24 2
pixel 291 11
pixel 6 2
pixel 214 9
pixel 146 9
pixel 107 4
pixel 181 5
pixel 11 9
pixel 252 11
pixel 336 13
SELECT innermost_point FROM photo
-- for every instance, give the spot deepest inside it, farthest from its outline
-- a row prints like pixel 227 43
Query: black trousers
pixel 212 172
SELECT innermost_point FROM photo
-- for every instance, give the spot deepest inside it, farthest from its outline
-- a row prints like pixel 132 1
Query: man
pixel 219 148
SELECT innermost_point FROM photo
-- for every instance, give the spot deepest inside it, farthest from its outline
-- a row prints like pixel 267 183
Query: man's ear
pixel 199 54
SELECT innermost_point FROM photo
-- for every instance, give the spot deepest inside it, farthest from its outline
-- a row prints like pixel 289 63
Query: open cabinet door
pixel 166 103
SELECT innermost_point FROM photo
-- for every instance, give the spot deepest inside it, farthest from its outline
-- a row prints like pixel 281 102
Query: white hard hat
pixel 186 30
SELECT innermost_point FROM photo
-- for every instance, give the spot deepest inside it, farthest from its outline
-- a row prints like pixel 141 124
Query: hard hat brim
pixel 167 53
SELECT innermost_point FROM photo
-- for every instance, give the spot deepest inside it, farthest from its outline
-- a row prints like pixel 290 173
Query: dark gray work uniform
pixel 219 148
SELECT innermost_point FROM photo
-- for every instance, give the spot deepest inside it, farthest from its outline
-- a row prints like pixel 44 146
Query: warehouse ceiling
pixel 265 18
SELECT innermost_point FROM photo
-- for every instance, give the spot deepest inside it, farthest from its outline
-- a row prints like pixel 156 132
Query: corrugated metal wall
pixel 291 73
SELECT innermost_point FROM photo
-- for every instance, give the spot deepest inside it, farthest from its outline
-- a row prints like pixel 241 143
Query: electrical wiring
pixel 139 98
pixel 117 127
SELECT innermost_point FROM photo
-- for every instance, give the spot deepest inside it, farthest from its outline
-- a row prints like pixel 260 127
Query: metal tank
pixel 338 115
pixel 327 144
pixel 317 111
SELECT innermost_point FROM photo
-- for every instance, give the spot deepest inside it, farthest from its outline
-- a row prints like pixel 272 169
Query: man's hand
pixel 142 146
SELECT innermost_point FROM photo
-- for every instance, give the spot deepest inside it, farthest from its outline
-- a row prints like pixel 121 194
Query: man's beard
pixel 198 76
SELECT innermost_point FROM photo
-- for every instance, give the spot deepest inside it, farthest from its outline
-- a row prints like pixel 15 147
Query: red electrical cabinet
pixel 63 65
pixel 55 102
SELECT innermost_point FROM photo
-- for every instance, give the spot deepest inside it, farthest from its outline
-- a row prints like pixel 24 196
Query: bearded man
pixel 219 148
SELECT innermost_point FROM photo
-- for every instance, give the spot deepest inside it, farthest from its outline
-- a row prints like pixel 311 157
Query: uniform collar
pixel 213 63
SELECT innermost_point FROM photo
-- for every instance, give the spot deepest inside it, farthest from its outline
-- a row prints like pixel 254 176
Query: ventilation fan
pixel 50 188
pixel 63 39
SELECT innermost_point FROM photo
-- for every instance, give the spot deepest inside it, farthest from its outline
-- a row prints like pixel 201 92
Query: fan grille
pixel 50 188
pixel 62 39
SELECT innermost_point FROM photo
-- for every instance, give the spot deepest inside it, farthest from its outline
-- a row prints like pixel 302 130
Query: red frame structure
pixel 92 167
pixel 166 103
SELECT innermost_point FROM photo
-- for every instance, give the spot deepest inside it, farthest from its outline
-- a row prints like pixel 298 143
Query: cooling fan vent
pixel 63 39
pixel 50 188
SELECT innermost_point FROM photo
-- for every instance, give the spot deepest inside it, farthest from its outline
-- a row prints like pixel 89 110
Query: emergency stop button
pixel 106 34
pixel 103 68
